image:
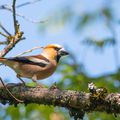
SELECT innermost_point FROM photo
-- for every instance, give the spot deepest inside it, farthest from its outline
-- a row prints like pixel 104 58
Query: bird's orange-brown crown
pixel 53 46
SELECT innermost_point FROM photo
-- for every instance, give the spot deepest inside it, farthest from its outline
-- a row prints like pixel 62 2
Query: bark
pixel 77 102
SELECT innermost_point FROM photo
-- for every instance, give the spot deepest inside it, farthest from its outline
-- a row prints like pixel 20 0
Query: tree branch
pixel 14 16
pixel 12 39
pixel 83 102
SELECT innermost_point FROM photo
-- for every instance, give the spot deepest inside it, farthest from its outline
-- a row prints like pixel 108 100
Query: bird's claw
pixel 40 86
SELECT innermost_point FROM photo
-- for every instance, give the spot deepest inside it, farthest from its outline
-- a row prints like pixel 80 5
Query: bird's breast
pixel 48 71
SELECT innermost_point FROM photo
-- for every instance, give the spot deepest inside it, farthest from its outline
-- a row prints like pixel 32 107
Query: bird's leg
pixel 18 76
pixel 34 79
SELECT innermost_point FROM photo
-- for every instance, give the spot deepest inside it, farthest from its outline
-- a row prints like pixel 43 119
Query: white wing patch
pixel 36 60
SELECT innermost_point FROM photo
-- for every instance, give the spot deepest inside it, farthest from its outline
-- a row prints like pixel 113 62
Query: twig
pixel 14 16
pixel 28 51
pixel 3 42
pixel 19 101
pixel 3 28
pixel 3 34
pixel 8 47
pixel 6 7
pixel 27 3
pixel 30 20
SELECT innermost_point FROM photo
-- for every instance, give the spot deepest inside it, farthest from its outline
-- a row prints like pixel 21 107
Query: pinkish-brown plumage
pixel 36 67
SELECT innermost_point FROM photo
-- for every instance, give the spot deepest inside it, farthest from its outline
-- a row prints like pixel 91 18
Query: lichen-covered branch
pixel 73 100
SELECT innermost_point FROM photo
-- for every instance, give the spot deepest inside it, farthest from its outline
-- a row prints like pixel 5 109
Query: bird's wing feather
pixel 34 60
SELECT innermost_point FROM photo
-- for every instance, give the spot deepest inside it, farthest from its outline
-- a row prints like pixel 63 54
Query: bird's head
pixel 55 50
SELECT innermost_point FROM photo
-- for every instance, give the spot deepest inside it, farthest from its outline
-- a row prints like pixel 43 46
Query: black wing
pixel 29 60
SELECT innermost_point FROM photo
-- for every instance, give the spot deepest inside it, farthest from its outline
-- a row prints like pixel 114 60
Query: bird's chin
pixel 58 58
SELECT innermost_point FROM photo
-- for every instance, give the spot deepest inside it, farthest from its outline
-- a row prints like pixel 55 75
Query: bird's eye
pixel 57 49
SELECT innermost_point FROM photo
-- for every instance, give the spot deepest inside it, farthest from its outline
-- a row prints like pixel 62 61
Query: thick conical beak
pixel 63 52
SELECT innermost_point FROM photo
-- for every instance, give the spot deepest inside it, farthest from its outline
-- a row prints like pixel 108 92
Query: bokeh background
pixel 90 31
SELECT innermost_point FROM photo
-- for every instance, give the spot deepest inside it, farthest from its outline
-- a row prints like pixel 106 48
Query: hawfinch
pixel 36 67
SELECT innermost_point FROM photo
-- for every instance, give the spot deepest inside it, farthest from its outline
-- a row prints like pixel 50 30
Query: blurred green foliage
pixel 73 74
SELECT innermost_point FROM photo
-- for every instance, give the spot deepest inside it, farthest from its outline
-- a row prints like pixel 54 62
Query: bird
pixel 36 67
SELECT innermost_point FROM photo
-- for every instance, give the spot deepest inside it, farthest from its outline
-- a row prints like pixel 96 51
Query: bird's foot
pixel 40 85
